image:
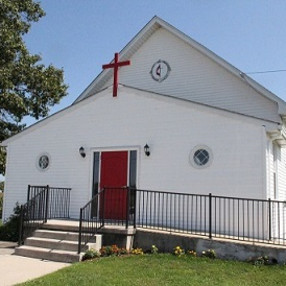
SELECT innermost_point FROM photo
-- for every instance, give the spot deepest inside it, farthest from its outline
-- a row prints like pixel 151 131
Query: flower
pixel 137 251
pixel 210 253
pixel 178 251
pixel 192 253
pixel 154 249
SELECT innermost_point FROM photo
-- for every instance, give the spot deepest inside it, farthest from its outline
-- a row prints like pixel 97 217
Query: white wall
pixel 276 163
pixel 171 127
pixel 193 76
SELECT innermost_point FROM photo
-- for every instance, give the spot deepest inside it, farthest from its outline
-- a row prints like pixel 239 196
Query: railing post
pixel 80 231
pixel 20 239
pixel 47 203
pixel 270 219
pixel 134 215
pixel 68 202
pixel 28 193
pixel 210 215
pixel 127 208
pixel 103 203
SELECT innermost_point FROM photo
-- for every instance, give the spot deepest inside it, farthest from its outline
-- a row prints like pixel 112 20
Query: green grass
pixel 164 269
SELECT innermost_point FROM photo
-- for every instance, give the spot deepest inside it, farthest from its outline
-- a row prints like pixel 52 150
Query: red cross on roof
pixel 116 65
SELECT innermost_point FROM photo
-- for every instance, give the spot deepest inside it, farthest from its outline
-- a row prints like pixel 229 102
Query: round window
pixel 43 162
pixel 201 156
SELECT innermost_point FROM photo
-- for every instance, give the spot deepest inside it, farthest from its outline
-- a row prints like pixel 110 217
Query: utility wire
pixel 265 71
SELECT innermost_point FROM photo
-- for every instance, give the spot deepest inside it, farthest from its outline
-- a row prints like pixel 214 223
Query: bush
pixel 9 231
pixel 210 253
pixel 123 251
pixel 106 250
pixel 137 251
pixel 192 253
pixel 154 249
pixel 112 250
pixel 178 251
pixel 90 254
pixel 263 260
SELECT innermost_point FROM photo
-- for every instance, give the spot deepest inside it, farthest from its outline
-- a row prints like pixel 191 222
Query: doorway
pixel 114 171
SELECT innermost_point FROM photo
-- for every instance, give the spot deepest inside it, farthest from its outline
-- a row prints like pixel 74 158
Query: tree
pixel 2 186
pixel 27 87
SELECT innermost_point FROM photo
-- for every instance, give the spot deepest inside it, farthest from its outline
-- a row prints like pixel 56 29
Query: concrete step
pixel 48 254
pixel 54 244
pixel 54 234
pixel 62 226
pixel 57 240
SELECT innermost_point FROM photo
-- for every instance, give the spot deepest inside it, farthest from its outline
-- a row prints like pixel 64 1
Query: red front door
pixel 113 176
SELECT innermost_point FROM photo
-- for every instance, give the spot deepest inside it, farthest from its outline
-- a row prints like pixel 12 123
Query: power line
pixel 265 71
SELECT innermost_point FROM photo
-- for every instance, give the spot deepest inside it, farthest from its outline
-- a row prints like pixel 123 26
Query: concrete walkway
pixel 17 269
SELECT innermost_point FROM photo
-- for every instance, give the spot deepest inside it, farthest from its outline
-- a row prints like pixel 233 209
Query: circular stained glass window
pixel 201 156
pixel 43 162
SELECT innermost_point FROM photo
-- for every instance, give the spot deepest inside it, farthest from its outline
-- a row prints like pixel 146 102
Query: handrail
pixel 91 219
pixel 32 215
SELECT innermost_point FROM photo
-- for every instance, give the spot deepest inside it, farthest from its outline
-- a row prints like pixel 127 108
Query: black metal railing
pixel 118 207
pixel 91 219
pixel 213 216
pixel 58 203
pixel 58 200
pixel 32 215
pixel 115 206
pixel 43 203
pixel 252 220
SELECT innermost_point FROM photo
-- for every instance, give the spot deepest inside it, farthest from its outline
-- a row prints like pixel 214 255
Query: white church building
pixel 183 121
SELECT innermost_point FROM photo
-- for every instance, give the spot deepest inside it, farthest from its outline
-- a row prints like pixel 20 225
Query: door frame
pixel 110 149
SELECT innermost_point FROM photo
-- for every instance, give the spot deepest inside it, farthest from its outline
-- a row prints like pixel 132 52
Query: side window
pixel 132 169
pixel 95 180
pixel 132 180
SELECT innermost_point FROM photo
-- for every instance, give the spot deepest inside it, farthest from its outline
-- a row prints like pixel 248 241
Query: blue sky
pixel 81 35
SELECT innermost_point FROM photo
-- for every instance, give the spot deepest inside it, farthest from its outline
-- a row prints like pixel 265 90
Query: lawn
pixel 164 269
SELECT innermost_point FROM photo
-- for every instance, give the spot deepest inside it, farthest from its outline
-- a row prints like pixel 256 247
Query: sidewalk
pixel 17 269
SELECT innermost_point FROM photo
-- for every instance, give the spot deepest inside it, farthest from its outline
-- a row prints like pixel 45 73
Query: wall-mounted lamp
pixel 147 150
pixel 82 152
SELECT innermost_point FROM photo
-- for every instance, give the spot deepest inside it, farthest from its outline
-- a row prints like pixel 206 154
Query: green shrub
pixel 137 251
pixel 9 231
pixel 210 253
pixel 112 250
pixel 90 254
pixel 192 253
pixel 106 250
pixel 263 260
pixel 123 251
pixel 154 249
pixel 178 251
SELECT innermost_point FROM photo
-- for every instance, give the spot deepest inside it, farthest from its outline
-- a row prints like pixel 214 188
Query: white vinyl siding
pixel 193 76
pixel 171 127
